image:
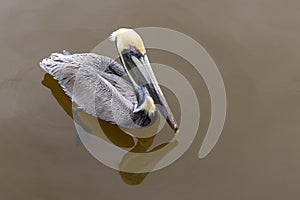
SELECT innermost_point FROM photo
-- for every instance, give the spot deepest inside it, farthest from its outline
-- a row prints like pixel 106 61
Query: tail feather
pixel 53 63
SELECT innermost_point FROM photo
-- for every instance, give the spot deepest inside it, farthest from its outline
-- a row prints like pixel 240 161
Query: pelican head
pixel 126 38
pixel 133 55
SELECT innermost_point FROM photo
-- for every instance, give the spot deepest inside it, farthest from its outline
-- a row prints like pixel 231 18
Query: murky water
pixel 255 45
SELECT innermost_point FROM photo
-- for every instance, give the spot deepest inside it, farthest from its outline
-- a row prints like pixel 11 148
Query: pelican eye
pixel 133 51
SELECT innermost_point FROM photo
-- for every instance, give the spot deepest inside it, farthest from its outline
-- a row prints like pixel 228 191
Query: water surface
pixel 255 45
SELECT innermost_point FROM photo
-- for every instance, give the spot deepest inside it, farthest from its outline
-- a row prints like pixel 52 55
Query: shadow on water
pixel 113 134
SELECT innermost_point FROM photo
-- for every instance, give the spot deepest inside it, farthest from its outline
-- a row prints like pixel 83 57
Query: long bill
pixel 140 67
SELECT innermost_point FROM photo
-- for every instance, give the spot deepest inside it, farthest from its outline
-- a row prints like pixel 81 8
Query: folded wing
pixel 96 84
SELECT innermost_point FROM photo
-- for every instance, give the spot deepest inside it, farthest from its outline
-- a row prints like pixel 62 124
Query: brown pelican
pixel 129 100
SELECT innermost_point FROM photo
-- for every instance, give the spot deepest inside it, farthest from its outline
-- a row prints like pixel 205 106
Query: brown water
pixel 255 45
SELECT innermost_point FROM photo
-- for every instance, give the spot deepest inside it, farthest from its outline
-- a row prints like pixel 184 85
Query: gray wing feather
pixel 97 84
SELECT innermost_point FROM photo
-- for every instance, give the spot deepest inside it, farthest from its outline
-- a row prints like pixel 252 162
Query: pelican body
pixel 127 99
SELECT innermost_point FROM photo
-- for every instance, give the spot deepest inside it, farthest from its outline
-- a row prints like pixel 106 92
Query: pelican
pixel 127 99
